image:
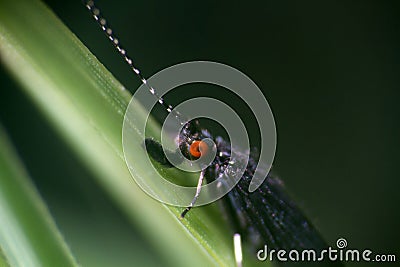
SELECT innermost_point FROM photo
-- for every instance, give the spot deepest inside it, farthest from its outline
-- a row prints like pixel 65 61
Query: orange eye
pixel 198 147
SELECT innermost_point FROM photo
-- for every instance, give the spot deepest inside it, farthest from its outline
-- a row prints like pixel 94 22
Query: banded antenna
pixel 102 22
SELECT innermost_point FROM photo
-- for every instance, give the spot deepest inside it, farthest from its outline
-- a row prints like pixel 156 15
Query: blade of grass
pixel 28 235
pixel 3 260
pixel 85 104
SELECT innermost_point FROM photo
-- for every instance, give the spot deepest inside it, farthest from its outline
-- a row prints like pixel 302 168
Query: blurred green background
pixel 330 71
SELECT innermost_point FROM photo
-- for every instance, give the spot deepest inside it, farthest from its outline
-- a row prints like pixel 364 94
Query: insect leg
pixel 237 245
pixel 196 196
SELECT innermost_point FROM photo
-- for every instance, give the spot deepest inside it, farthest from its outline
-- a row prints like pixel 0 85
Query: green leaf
pixel 28 235
pixel 3 260
pixel 85 105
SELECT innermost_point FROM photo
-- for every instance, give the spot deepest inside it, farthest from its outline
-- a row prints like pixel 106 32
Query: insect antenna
pixel 102 22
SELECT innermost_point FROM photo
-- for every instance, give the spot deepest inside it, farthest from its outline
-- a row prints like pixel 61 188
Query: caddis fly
pixel 265 216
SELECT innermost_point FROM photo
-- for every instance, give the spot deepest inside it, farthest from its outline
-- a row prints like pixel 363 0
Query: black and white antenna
pixel 102 22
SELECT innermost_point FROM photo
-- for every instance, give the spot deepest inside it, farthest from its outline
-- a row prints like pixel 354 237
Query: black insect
pixel 265 216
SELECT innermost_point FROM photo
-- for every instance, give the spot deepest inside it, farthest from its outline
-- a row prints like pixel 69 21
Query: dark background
pixel 330 71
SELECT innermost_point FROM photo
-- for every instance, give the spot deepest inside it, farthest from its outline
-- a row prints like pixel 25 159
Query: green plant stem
pixel 28 235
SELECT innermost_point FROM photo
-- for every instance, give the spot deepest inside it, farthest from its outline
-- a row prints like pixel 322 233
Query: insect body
pixel 265 216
